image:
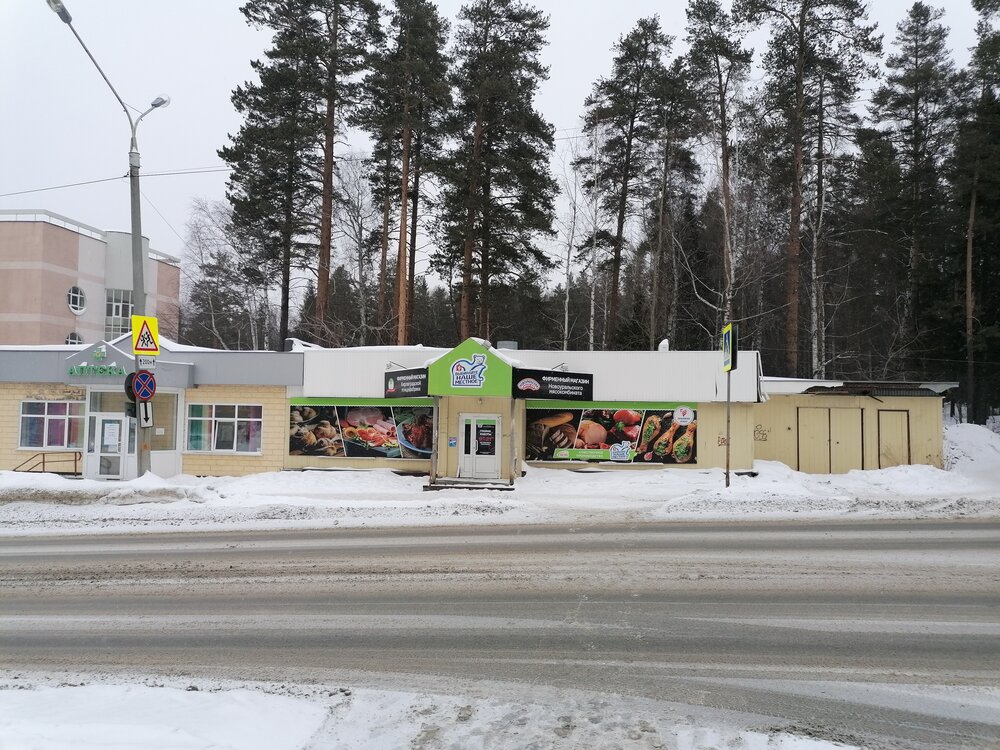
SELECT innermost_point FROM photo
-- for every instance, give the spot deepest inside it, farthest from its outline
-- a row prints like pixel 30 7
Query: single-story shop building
pixel 469 414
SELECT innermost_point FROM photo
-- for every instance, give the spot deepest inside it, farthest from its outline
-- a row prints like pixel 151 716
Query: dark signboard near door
pixel 553 384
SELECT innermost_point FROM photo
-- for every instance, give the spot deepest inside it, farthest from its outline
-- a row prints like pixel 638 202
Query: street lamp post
pixel 138 257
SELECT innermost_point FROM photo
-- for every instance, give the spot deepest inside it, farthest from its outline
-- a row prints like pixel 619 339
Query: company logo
pixel 112 370
pixel 621 451
pixel 100 353
pixel 391 387
pixel 466 374
pixel 529 384
pixel 683 415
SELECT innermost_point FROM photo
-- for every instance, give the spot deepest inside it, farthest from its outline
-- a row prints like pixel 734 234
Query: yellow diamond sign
pixel 145 336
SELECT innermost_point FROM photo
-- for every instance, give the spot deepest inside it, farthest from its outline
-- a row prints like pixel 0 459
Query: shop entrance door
pixel 110 440
pixel 481 446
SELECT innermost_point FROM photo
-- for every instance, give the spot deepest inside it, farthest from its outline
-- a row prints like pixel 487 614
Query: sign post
pixel 145 345
pixel 730 349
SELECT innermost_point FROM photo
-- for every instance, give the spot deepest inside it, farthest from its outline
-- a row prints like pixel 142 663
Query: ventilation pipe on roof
pixel 663 346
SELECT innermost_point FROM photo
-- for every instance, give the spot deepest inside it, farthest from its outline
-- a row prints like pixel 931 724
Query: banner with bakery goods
pixel 361 431
pixel 667 434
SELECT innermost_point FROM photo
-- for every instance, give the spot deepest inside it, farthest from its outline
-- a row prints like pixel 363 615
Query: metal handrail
pixel 44 459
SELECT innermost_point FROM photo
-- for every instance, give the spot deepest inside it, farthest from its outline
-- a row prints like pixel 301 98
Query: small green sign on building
pixel 470 369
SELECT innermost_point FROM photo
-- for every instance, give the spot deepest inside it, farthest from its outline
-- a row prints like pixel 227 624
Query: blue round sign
pixel 144 385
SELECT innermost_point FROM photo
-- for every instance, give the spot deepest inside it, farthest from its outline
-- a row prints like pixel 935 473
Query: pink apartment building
pixel 63 282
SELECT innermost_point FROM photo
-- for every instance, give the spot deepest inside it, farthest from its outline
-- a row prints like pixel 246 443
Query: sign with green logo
pixel 470 369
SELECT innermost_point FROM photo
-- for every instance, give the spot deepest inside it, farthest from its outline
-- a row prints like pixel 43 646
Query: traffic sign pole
pixel 145 343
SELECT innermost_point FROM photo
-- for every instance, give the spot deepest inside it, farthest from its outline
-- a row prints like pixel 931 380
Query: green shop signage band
pixel 111 370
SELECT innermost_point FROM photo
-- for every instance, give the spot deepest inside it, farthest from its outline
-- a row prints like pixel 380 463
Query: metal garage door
pixel 893 438
pixel 830 440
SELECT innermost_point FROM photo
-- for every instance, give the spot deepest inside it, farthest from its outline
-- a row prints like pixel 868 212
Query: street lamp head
pixel 160 101
pixel 60 10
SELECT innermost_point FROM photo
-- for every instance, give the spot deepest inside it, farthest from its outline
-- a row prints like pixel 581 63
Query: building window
pixel 52 424
pixel 74 338
pixel 224 428
pixel 76 299
pixel 117 313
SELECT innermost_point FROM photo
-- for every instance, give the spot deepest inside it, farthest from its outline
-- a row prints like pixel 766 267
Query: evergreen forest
pixel 835 193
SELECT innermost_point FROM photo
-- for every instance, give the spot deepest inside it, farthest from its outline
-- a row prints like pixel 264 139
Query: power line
pixel 160 214
pixel 60 187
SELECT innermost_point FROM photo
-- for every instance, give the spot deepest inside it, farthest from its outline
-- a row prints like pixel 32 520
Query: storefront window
pixel 52 424
pixel 224 428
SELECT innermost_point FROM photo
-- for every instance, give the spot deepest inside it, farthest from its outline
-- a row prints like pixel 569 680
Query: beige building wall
pixel 274 436
pixel 11 396
pixel 165 300
pixel 786 429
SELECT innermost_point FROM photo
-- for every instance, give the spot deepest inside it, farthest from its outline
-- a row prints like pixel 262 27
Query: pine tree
pixel 801 29
pixel 917 108
pixel 274 154
pixel 498 194
pixel 978 196
pixel 621 114
pixel 415 75
pixel 719 67
pixel 348 31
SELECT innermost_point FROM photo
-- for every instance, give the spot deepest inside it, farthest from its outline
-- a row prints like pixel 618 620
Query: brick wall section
pixel 274 431
pixel 11 396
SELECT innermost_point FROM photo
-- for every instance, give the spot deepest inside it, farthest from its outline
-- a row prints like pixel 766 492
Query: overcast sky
pixel 60 124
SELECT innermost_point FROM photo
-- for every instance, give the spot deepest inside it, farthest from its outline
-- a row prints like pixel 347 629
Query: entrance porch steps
pixel 449 483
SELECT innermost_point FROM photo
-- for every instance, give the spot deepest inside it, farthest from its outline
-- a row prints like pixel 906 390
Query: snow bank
pixel 968 487
pixel 44 712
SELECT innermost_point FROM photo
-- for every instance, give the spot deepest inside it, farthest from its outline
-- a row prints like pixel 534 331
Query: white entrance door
pixel 110 441
pixel 480 446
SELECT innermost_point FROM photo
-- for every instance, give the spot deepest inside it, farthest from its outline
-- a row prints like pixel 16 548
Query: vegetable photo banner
pixel 666 434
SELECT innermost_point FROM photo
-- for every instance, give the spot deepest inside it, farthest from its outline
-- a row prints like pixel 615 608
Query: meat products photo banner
pixel 361 429
pixel 621 433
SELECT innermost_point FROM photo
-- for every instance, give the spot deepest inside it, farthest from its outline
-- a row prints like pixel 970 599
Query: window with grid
pixel 76 299
pixel 224 428
pixel 117 312
pixel 74 338
pixel 52 425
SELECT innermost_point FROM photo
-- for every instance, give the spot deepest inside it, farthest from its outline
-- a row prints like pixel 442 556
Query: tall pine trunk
pixel 465 307
pixel 326 211
pixel 383 270
pixel 402 308
pixel 611 324
pixel 970 366
pixel 793 245
pixel 414 208
pixel 817 303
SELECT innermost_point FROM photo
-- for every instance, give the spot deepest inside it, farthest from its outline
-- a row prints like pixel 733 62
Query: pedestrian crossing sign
pixel 145 336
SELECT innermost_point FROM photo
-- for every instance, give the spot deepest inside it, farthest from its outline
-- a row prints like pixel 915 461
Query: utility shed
pixel 832 427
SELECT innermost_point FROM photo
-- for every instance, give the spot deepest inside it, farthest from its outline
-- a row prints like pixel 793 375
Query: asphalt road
pixel 877 633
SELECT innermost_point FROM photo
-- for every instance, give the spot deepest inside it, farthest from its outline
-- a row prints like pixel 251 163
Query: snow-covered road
pixel 154 703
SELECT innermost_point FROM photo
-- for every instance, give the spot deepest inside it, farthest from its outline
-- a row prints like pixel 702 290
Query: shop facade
pixel 64 409
pixel 473 414
pixel 476 414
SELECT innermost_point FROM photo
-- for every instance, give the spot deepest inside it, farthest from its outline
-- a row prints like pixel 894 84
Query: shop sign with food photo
pixel 356 431
pixel 664 435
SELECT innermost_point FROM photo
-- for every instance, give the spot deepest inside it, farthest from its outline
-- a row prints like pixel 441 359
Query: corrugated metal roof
pixel 874 389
